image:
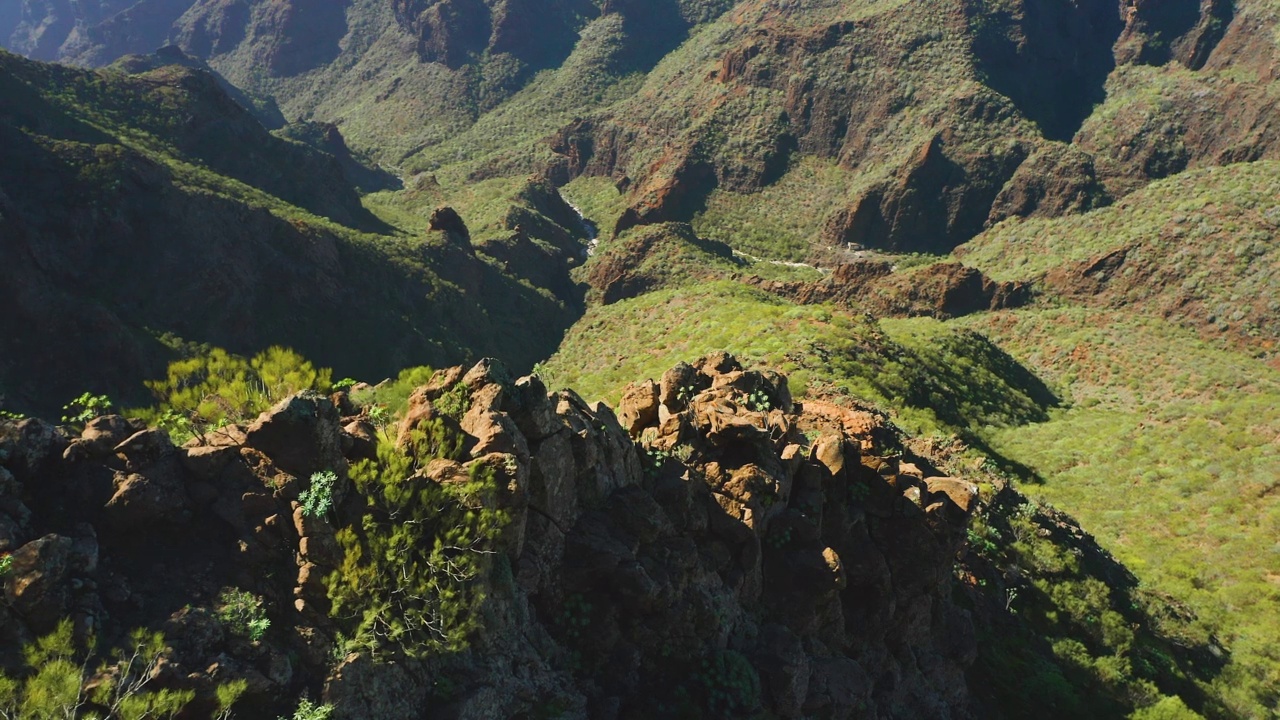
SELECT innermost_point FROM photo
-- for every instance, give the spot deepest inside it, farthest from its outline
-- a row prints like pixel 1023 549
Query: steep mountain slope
pixel 1198 248
pixel 121 237
pixel 865 112
pixel 1109 170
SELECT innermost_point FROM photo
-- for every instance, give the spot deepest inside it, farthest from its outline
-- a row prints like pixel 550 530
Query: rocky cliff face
pixel 711 548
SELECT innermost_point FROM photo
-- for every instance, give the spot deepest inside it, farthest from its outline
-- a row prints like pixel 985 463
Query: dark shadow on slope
pixel 968 381
pixel 1045 590
pixel 1050 57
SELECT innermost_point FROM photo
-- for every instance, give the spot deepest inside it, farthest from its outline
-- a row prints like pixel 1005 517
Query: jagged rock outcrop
pixel 1057 180
pixel 728 551
pixel 937 201
pixel 941 290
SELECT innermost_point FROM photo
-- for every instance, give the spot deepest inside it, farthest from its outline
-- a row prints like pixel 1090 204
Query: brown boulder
pixel 361 440
pixel 679 385
pixel 301 434
pixel 494 433
pixel 142 501
pixel 961 493
pixel 101 435
pixel 144 448
pixel 37 587
pixel 530 409
pixel 361 687
pixel 639 406
pixel 207 462
pixel 26 446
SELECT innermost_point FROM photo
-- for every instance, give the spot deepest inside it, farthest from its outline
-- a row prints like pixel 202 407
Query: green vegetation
pixel 215 388
pixel 317 499
pixel 783 220
pixel 731 685
pixel 389 400
pixel 933 379
pixel 242 613
pixel 1198 248
pixel 54 684
pixel 1085 644
pixel 308 710
pixel 85 408
pixel 1167 452
pixel 411 579
pixel 1116 401
pixel 6 566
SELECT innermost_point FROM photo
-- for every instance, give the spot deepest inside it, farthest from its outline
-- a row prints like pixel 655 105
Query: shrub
pixel 758 401
pixel 317 500
pixel 242 613
pixel 410 579
pixel 6 566
pixel 1169 708
pixel 202 393
pixel 454 402
pixel 85 408
pixel 53 684
pixel 308 710
pixel 393 396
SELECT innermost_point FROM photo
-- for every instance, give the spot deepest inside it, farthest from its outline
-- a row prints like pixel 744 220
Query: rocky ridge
pixel 712 547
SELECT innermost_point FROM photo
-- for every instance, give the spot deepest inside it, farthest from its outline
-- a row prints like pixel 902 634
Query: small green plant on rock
pixel 6 566
pixel 308 710
pixel 454 402
pixel 85 408
pixel 653 460
pixel 758 401
pixel 317 500
pixel 779 540
pixel 685 393
pixel 242 613
pixel 575 616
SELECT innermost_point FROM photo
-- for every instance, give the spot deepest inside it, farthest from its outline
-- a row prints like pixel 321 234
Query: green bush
pixel 85 408
pixel 411 575
pixel 454 402
pixel 308 710
pixel 393 396
pixel 53 685
pixel 207 391
pixel 317 500
pixel 242 613
pixel 731 684
pixel 1169 708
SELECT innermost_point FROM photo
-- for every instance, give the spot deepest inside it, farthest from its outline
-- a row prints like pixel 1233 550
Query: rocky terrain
pixel 711 547
pixel 1037 235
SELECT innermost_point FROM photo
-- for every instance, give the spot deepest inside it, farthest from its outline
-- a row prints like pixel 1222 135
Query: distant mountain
pixel 935 119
